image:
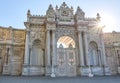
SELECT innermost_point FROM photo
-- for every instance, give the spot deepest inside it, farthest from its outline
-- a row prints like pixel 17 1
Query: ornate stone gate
pixel 56 60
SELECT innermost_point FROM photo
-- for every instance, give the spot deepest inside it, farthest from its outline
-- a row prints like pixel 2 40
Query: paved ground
pixel 22 79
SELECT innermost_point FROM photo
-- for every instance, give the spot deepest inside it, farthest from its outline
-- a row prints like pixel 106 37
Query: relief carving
pixel 38 33
pixel 18 52
pixel 6 34
pixel 19 36
pixel 64 13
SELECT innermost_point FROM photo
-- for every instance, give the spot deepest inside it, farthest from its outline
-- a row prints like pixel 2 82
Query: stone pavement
pixel 78 79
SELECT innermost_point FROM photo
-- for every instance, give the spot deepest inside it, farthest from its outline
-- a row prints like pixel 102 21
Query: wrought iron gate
pixel 66 61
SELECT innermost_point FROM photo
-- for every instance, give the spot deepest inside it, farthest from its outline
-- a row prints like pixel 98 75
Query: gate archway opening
pixel 65 41
pixel 66 57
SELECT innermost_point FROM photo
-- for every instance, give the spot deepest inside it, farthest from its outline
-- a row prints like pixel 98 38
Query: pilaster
pixel 53 53
pixel 80 39
pixel 26 57
pixel 86 48
pixel 48 54
pixel 48 63
pixel 26 64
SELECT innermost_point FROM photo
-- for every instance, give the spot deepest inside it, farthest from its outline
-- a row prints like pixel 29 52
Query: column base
pixel 106 70
pixel 90 75
pixel 119 69
pixel 33 70
pixel 16 68
pixel 96 70
pixel 6 69
pixel 53 71
pixel 53 75
pixel 48 70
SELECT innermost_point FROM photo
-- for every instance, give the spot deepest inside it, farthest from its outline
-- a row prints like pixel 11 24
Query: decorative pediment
pixel 64 13
pixel 64 9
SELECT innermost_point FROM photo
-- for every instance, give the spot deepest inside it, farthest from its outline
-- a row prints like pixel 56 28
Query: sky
pixel 13 12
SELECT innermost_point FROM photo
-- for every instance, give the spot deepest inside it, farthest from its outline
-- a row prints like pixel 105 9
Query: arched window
pixel 93 54
pixel 36 56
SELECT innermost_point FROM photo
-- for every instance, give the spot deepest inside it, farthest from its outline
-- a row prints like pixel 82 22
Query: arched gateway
pixel 58 44
pixel 66 57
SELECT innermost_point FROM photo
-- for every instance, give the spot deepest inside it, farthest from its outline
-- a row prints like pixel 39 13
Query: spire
pixel 28 13
pixel 79 13
pixel 71 7
pixel 50 13
pixel 64 4
pixel 98 17
pixel 78 8
pixel 50 10
pixel 56 7
pixel 50 7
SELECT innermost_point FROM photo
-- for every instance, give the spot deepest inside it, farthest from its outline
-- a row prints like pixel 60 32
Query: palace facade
pixel 59 43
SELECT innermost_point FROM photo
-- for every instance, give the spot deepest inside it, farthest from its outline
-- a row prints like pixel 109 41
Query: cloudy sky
pixel 13 12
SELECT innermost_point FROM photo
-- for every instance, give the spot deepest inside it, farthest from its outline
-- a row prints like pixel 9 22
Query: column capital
pixel 47 30
pixel 27 24
pixel 27 31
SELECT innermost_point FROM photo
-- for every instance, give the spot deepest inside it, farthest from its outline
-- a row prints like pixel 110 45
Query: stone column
pixel 81 48
pixel 86 49
pixel 26 69
pixel 26 57
pixel 103 51
pixel 53 54
pixel 47 56
pixel 48 63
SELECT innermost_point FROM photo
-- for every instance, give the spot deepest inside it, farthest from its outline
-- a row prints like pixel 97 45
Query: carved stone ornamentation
pixel 79 14
pixel 38 33
pixel 64 13
pixel 59 43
